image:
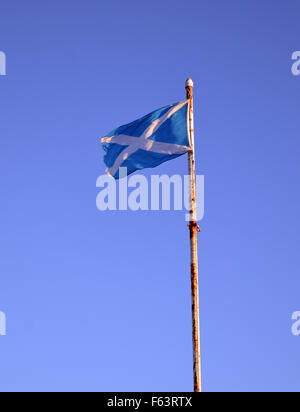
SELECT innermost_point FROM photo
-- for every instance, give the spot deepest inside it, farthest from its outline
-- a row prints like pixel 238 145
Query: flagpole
pixel 194 229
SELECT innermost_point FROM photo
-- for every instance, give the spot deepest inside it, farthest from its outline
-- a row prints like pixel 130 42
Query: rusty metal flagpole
pixel 194 229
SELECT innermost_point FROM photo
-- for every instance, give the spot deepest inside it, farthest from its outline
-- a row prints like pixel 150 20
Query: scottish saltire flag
pixel 147 142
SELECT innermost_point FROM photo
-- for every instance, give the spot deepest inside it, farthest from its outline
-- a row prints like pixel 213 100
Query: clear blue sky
pixel 101 301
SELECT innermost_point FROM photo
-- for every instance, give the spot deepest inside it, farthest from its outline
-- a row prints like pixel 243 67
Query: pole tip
pixel 189 82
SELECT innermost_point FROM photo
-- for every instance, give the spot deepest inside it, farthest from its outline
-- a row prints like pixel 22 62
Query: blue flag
pixel 147 142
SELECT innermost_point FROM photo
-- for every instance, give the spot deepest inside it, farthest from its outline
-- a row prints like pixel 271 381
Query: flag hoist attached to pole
pixel 147 142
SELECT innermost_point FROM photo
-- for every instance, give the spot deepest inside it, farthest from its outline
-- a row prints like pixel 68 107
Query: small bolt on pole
pixel 194 229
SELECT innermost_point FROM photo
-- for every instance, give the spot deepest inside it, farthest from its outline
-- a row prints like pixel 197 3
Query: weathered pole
pixel 194 229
